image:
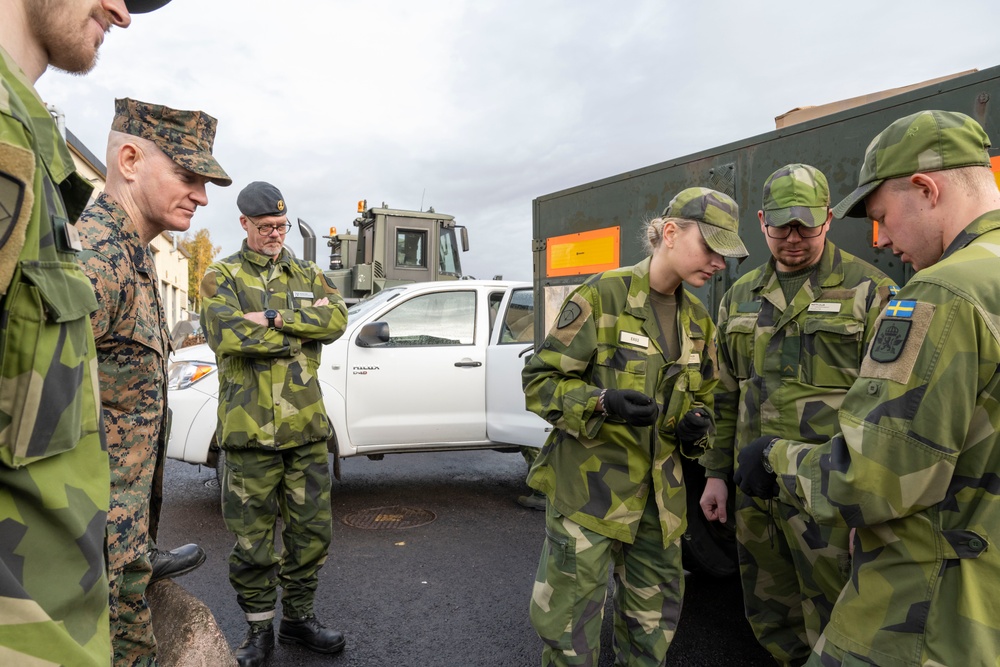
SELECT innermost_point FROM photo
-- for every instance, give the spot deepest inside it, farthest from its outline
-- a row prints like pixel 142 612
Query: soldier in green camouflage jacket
pixel 914 470
pixel 626 377
pixel 792 335
pixel 53 463
pixel 267 316
pixel 159 162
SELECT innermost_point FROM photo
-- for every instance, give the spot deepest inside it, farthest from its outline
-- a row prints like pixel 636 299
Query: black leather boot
pixel 256 648
pixel 167 564
pixel 310 633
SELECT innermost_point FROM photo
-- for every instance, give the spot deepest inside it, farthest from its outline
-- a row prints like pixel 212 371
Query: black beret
pixel 143 6
pixel 260 199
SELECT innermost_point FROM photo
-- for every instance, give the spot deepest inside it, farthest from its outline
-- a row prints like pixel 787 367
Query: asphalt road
pixel 450 593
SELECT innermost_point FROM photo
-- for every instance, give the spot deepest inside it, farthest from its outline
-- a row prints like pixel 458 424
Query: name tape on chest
pixel 302 295
pixel 824 307
pixel 633 339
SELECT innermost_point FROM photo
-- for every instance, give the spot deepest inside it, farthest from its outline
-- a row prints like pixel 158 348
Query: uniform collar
pixel 829 271
pixel 984 223
pixel 121 225
pixel 262 261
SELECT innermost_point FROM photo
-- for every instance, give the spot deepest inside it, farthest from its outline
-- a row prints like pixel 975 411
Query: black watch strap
pixel 763 456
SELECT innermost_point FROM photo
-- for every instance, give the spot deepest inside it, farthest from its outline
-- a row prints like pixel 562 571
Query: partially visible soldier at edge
pixel 914 470
pixel 54 474
pixel 159 162
pixel 267 315
pixel 792 334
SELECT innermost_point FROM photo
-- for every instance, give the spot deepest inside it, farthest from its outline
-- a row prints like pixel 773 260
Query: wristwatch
pixel 763 456
pixel 270 314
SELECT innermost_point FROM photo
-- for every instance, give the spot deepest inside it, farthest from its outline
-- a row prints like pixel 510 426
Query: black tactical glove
pixel 632 407
pixel 751 475
pixel 693 426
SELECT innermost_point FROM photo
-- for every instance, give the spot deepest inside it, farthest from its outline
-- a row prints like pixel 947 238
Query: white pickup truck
pixel 421 367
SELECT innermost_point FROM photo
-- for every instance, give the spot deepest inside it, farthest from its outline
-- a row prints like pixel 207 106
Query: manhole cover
pixel 383 518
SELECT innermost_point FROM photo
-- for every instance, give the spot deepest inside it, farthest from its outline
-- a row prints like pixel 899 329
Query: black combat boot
pixel 173 563
pixel 256 648
pixel 310 633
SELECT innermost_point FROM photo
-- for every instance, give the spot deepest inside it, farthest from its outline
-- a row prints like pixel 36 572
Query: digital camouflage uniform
pixel 615 492
pixel 784 369
pixel 915 468
pixel 272 423
pixel 132 348
pixel 53 463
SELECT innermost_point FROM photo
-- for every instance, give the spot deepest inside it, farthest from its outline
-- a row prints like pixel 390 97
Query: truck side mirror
pixel 465 238
pixel 373 334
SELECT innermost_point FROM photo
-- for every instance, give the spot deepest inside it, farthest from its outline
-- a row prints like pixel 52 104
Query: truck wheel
pixel 708 547
pixel 331 446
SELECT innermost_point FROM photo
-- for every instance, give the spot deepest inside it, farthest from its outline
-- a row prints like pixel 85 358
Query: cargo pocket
pixel 832 351
pixel 555 590
pixel 47 367
pixel 740 336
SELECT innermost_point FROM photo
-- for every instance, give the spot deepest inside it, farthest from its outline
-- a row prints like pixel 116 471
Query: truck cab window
pixel 445 318
pixel 411 248
pixel 448 253
pixel 519 320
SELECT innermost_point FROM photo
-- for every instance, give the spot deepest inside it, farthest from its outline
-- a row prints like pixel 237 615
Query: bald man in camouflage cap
pixel 625 376
pixel 914 469
pixel 159 163
pixel 267 316
pixel 791 336
pixel 53 465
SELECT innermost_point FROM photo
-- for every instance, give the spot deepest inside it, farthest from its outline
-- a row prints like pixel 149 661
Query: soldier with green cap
pixel 914 468
pixel 792 333
pixel 159 161
pixel 54 474
pixel 626 376
pixel 267 316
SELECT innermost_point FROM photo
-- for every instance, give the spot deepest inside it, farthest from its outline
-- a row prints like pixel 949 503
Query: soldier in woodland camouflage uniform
pixel 792 335
pixel 159 162
pixel 267 316
pixel 626 376
pixel 53 465
pixel 914 470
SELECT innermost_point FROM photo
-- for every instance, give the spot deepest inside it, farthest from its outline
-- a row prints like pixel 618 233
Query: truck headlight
pixel 183 374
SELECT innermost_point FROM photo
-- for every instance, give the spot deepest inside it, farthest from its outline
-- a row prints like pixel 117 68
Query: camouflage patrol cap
pixel 260 199
pixel 796 192
pixel 921 142
pixel 143 6
pixel 186 137
pixel 717 216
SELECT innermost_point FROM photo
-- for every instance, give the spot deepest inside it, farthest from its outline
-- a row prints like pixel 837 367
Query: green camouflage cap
pixel 921 142
pixel 796 192
pixel 143 6
pixel 717 216
pixel 186 137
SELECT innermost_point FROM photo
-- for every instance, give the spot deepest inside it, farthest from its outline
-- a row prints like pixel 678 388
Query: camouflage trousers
pixel 792 570
pixel 258 486
pixel 567 603
pixel 132 640
pixel 826 654
pixel 53 577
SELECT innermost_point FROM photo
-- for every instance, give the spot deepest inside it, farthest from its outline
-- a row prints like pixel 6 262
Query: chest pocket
pixel 136 364
pixel 621 367
pixel 739 332
pixel 831 350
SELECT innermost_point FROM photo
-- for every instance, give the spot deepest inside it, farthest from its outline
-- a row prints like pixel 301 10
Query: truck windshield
pixel 451 264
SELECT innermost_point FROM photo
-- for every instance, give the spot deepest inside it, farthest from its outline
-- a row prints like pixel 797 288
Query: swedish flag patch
pixel 897 308
pixel 893 290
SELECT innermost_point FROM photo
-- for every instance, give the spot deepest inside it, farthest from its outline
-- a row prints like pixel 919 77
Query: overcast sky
pixel 476 108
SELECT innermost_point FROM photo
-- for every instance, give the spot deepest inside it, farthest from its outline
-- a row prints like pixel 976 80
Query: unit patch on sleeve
pixel 901 332
pixel 568 315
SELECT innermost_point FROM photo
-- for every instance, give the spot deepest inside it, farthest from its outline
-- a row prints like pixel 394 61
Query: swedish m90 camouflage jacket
pixel 53 465
pixel 916 469
pixel 784 367
pixel 269 395
pixel 598 471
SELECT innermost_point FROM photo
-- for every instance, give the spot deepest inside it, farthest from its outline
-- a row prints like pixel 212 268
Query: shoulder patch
pixel 569 313
pixel 208 287
pixel 898 339
pixel 17 198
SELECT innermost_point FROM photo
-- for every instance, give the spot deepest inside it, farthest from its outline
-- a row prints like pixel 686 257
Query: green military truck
pixel 391 247
pixel 596 226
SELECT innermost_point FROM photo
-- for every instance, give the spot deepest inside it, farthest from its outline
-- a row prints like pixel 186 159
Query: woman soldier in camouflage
pixel 626 377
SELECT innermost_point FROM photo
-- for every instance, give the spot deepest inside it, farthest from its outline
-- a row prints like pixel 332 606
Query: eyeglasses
pixel 785 231
pixel 266 230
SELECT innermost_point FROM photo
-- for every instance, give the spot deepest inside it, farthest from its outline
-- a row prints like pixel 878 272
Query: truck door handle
pixel 468 364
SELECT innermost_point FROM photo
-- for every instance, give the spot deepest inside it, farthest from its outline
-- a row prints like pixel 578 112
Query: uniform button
pixel 872 388
pixel 271 290
pixel 976 543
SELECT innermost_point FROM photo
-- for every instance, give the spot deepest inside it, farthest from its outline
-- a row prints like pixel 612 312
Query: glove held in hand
pixel 632 407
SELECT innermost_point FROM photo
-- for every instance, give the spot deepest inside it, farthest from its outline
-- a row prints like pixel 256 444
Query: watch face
pixel 270 313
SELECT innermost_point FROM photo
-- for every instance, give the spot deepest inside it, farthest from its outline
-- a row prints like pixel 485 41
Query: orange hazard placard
pixel 583 253
pixel 995 166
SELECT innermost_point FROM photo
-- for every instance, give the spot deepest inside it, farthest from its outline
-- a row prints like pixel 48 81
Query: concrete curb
pixel 186 632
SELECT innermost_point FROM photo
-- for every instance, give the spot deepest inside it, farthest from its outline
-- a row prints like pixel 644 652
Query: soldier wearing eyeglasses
pixel 792 334
pixel 267 316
